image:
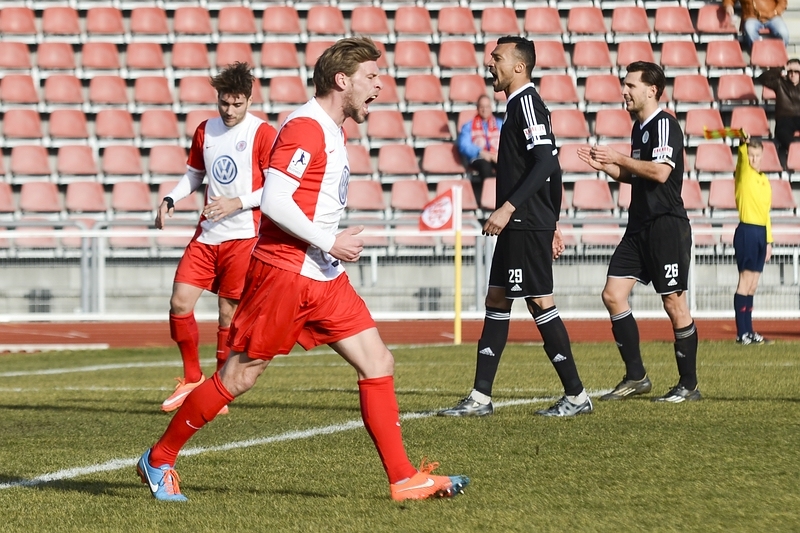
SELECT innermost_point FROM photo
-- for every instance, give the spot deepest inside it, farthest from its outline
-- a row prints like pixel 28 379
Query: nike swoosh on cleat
pixel 428 483
pixel 170 401
pixel 153 488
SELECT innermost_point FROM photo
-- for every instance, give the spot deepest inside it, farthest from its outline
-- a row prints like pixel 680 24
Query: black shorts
pixel 750 245
pixel 660 253
pixel 523 263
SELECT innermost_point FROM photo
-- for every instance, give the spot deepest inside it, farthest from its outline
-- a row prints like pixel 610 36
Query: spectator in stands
pixel 296 288
pixel 657 244
pixel 760 14
pixel 753 238
pixel 787 104
pixel 233 151
pixel 478 141
pixel 525 221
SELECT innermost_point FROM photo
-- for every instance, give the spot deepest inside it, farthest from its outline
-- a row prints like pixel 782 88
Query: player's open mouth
pixel 367 102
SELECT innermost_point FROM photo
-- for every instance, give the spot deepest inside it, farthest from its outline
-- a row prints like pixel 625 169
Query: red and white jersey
pixel 235 160
pixel 310 148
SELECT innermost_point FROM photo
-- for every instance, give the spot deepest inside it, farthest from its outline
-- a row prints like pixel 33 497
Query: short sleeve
pixel 299 142
pixel 265 137
pixel 196 159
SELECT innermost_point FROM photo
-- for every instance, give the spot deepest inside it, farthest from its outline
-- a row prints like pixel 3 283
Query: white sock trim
pixel 480 397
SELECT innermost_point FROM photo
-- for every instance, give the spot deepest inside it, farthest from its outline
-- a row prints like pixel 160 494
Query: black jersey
pixel 528 172
pixel 659 139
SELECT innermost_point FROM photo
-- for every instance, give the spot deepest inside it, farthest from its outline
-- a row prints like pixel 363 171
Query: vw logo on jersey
pixel 645 136
pixel 345 180
pixel 224 169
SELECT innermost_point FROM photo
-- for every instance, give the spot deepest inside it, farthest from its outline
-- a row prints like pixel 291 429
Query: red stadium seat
pixel 281 21
pixel 314 49
pixel 412 21
pixel 783 202
pixel 131 197
pixel 287 91
pixel 673 23
pixel 86 197
pixel 194 118
pixel 397 161
pixel 196 91
pixel 630 51
pixel 388 96
pixel 67 125
pixel 352 130
pixel 770 164
pixel 542 20
pixel 551 56
pixel 691 90
pixel 360 163
pixel 499 21
pixel 22 126
pixel 369 20
pixel 697 119
pixel 602 90
pixel 366 195
pixel 8 206
pixel 586 20
pixel 768 53
pixel 62 23
pixel 592 197
pixel 630 21
pixel 713 161
pixel 612 124
pixel 188 206
pixel 409 195
pixel 559 90
pixel 18 23
pixel 440 160
pixel 679 57
pixel 237 23
pixel 713 24
pixel 569 124
pixel 40 197
pixel 145 56
pixel 279 59
pixel 423 90
pixel 105 23
pixel 429 125
pixel 468 200
pixel 724 57
pixel 167 162
pixel 158 126
pixel 457 55
pixel 75 160
pixel 100 56
pixel 415 57
pixel 114 125
pixel 721 197
pixel 752 119
pixel 122 160
pixel 325 20
pixel 149 23
pixel 624 196
pixel 192 22
pixel 152 91
pixel 55 56
pixel 591 57
pixel 107 91
pixel 190 55
pixel 14 56
pixel 465 89
pixel 488 199
pixel 736 88
pixel 18 89
pixel 457 20
pixel 230 52
pixel 692 197
pixel 572 167
pixel 385 126
pixel 29 162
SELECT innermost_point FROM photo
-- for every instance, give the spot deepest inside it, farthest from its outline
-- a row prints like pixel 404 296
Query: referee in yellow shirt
pixel 753 238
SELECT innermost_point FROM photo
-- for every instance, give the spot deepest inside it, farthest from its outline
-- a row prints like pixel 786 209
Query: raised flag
pixel 733 133
pixel 438 213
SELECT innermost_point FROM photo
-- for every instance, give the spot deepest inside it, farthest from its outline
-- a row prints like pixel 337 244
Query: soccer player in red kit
pixel 233 151
pixel 296 289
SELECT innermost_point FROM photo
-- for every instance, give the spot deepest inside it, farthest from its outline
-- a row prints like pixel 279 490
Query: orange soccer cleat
pixel 423 485
pixel 182 390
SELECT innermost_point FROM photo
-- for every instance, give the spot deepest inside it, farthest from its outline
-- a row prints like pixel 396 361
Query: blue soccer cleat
pixel 162 481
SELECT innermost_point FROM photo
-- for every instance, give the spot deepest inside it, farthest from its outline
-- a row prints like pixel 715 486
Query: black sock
pixel 686 355
pixel 740 310
pixel 557 348
pixel 626 333
pixel 749 314
pixel 490 348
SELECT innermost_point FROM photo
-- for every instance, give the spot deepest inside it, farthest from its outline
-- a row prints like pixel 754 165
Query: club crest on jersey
pixel 343 185
pixel 662 152
pixel 241 146
pixel 645 136
pixel 537 130
pixel 299 163
pixel 224 169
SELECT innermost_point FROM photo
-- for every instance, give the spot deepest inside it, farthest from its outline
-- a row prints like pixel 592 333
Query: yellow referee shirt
pixel 753 193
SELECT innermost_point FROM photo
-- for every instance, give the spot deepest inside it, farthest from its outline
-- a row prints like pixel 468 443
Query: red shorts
pixel 280 308
pixel 219 268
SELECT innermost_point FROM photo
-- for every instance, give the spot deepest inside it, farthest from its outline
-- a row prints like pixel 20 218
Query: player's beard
pixel 352 110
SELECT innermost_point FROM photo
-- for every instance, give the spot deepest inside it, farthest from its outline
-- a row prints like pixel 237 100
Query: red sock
pixel 382 419
pixel 199 408
pixel 183 330
pixel 222 346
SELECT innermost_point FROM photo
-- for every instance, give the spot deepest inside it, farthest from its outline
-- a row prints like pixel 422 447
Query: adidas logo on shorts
pixel 672 282
pixel 516 288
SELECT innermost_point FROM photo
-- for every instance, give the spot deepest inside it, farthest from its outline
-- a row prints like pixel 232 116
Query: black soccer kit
pixel 529 177
pixel 658 240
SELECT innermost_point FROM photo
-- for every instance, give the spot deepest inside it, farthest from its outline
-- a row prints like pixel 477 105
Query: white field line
pixel 118 464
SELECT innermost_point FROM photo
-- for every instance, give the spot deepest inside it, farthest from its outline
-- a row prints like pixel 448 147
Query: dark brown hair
pixel 233 80
pixel 652 74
